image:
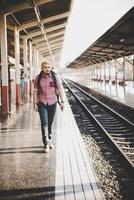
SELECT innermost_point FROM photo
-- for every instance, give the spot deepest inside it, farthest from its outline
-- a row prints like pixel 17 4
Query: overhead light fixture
pixel 122 40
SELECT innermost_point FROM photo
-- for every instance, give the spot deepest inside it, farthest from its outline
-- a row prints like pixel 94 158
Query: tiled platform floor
pixel 27 173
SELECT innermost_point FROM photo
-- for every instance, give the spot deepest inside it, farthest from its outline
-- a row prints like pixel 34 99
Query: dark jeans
pixel 47 113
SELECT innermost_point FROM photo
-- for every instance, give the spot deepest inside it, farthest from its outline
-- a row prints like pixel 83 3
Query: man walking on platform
pixel 47 90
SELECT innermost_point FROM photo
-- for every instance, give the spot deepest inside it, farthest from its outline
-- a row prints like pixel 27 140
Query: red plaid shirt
pixel 48 95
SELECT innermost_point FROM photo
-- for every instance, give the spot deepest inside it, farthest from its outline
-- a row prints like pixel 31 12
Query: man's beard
pixel 47 73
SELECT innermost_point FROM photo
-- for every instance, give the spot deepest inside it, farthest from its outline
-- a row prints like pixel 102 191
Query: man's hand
pixel 62 106
pixel 35 107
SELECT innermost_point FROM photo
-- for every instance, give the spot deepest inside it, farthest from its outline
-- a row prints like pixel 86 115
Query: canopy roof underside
pixel 41 21
pixel 117 42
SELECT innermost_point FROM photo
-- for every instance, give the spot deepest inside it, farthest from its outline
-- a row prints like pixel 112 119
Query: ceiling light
pixel 122 40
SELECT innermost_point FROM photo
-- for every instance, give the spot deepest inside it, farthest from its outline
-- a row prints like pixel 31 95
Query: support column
pixel 115 71
pixel 89 72
pixel 35 72
pixel 4 65
pixel 100 72
pixel 94 72
pixel 30 67
pixel 109 64
pixel 25 65
pixel 17 66
pixel 123 71
pixel 40 59
pixel 38 62
pixel 97 75
pixel 104 71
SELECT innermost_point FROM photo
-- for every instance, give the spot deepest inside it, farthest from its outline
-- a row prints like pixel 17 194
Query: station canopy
pixel 117 42
pixel 41 21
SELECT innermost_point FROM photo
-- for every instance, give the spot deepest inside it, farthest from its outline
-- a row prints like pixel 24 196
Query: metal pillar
pixel 31 67
pixel 4 65
pixel 100 72
pixel 109 70
pixel 17 66
pixel 94 71
pixel 25 66
pixel 123 71
pixel 96 77
pixel 89 73
pixel 35 72
pixel 104 72
pixel 115 71
pixel 38 61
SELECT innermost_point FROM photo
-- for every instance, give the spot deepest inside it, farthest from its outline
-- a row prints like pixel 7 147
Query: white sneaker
pixel 46 149
pixel 51 146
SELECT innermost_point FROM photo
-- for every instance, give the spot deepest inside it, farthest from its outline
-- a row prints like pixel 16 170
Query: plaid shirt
pixel 48 95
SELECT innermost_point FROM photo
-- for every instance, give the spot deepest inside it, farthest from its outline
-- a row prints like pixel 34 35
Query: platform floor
pixel 123 94
pixel 27 173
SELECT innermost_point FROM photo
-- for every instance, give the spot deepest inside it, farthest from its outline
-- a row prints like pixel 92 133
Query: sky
pixel 89 19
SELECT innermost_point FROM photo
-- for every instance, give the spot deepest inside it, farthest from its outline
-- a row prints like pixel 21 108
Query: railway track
pixel 118 130
pixel 120 108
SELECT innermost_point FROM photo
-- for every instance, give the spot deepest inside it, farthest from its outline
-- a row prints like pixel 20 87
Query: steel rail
pixel 110 136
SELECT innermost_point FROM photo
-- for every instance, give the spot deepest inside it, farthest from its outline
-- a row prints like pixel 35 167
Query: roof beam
pixel 43 21
pixel 54 51
pixel 42 28
pixel 60 33
pixel 15 8
pixel 91 62
pixel 52 43
pixel 22 6
pixel 114 59
pixel 54 28
pixel 31 35
pixel 44 52
pixel 52 47
pixel 125 58
pixel 40 2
